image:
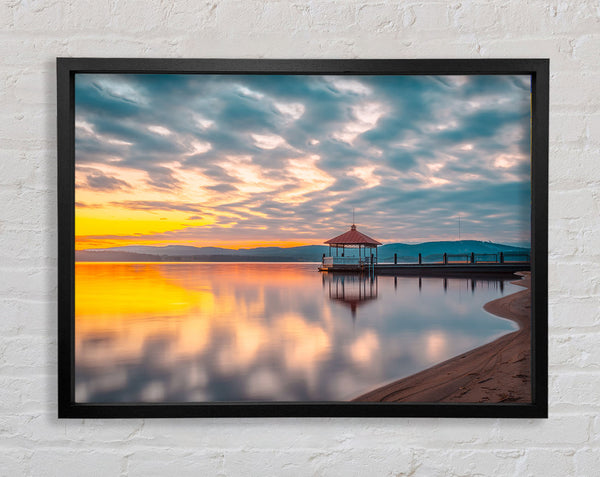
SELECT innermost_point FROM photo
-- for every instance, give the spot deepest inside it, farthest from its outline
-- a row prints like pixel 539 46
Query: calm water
pixel 159 332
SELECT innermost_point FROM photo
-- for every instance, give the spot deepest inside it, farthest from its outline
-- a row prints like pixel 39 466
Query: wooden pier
pixel 450 266
pixel 452 269
pixel 432 269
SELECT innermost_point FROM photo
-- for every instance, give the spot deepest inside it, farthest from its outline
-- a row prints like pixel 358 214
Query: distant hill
pixel 386 252
pixel 307 253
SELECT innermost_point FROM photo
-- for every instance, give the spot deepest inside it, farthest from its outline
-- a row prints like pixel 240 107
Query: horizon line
pixel 514 244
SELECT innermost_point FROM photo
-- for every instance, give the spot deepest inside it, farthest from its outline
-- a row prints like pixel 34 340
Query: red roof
pixel 352 237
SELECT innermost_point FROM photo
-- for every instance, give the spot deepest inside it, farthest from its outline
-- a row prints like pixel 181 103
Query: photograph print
pixel 302 238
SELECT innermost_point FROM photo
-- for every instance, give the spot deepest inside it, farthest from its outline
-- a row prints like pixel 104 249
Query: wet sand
pixel 499 371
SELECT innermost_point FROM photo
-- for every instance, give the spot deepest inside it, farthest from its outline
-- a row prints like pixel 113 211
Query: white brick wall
pixel 34 442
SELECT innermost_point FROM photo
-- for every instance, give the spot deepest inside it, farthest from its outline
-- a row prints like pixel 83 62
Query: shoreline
pixel 499 371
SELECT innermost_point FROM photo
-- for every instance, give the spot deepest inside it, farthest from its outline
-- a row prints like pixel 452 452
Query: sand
pixel 496 372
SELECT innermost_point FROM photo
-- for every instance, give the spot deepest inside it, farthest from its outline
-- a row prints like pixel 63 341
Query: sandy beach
pixel 499 371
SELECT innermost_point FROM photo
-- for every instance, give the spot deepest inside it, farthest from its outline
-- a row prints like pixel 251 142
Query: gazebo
pixel 352 239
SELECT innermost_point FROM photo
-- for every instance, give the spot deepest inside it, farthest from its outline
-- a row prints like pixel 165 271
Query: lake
pixel 194 332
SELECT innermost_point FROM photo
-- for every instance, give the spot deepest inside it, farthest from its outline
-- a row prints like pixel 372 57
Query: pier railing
pixel 438 258
pixel 448 258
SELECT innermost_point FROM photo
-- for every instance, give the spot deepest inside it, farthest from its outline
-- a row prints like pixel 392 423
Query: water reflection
pixel 352 289
pixel 263 331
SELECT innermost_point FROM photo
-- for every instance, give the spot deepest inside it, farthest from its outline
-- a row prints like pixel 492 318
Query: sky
pixel 241 161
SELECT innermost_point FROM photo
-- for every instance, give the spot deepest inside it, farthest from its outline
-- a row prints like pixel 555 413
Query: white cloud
pixel 160 130
pixel 346 85
pixel 506 161
pixel 121 89
pixel 88 128
pixel 200 147
pixel 293 110
pixel 366 116
pixel 202 122
pixel 366 174
pixel 250 93
pixel 267 141
pixel 85 126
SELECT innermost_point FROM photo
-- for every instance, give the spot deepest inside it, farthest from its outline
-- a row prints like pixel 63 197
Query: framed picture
pixel 336 238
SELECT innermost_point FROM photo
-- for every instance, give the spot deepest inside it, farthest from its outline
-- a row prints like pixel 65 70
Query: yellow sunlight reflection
pixel 155 303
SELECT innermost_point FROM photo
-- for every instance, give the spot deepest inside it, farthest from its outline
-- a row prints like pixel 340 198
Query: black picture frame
pixel 66 70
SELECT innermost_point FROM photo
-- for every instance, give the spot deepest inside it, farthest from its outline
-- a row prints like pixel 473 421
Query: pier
pixel 444 265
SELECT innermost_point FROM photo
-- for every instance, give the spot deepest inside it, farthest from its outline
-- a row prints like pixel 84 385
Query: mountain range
pixel 306 253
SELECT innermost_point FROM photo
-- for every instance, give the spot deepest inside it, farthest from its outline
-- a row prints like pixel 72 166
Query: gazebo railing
pixel 346 261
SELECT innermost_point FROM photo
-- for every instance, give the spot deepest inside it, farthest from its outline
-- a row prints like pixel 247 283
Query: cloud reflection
pixel 235 332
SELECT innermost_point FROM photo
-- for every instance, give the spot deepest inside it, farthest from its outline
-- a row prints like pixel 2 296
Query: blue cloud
pixel 429 149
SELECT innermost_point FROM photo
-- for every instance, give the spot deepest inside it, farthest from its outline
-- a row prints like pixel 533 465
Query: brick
pixel 333 16
pixel 584 97
pixel 108 432
pixel 481 15
pixel 35 87
pixel 26 125
pixel 162 461
pixel 593 128
pixel 90 16
pixel 585 49
pixel 572 313
pixel 62 461
pixel 522 434
pixel 573 167
pixel 587 461
pixel 380 17
pixel 44 15
pixel 324 462
pixel 558 48
pixel 574 132
pixel 22 395
pixel 31 284
pixel 28 207
pixel 577 279
pixel 25 316
pixel 15 462
pixel 574 204
pixel 595 431
pixel 547 462
pixel 576 388
pixel 22 245
pixel 468 462
pixel 32 169
pixel 577 351
pixel 432 16
pixel 28 352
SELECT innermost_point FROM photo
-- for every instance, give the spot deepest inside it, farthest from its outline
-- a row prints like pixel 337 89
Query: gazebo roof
pixel 353 237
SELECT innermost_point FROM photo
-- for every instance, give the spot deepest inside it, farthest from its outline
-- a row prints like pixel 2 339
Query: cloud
pixel 98 181
pixel 281 153
pixel 156 205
